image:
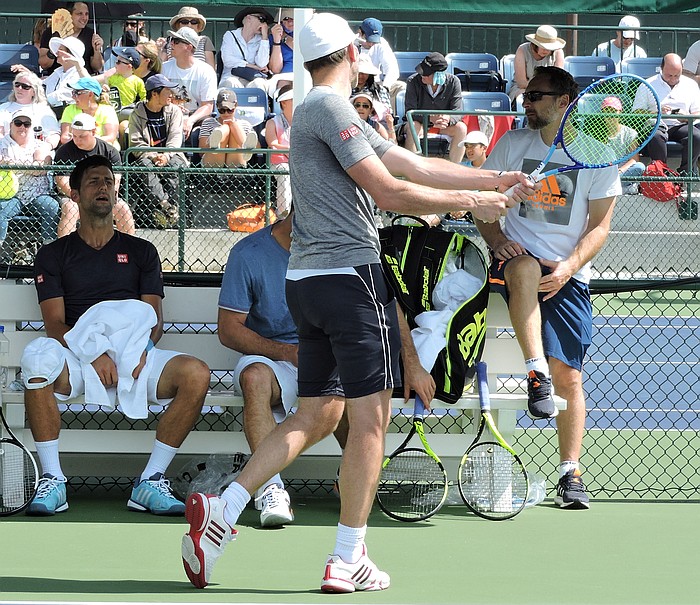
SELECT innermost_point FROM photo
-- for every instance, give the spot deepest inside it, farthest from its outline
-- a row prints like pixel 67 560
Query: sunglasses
pixel 536 95
pixel 178 41
pixel 225 110
pixel 26 123
pixel 260 18
pixel 287 18
pixel 23 86
pixel 120 62
pixel 131 24
pixel 77 93
pixel 362 105
pixel 189 21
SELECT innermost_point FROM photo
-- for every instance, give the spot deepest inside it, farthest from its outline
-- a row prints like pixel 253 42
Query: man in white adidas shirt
pixel 541 264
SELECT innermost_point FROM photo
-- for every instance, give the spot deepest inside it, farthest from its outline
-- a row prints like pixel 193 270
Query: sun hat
pixel 629 21
pixel 252 10
pixel 324 34
pixel 546 37
pixel 362 95
pixel 188 12
pixel 475 137
pixel 74 46
pixel 365 65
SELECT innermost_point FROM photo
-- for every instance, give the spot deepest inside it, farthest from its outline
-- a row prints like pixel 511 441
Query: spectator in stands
pixel 89 98
pixel 432 88
pixel 156 122
pixel 281 64
pixel 624 46
pixel 371 43
pixel 33 193
pixel 677 94
pixel 367 82
pixel 73 274
pixel 624 139
pixel 226 132
pixel 133 33
pixel 541 263
pixel 68 53
pixel 245 50
pixel 543 48
pixel 40 26
pixel 28 94
pixel 83 143
pixel 91 41
pixel 691 63
pixel 190 17
pixel 150 60
pixel 196 79
pixel 475 145
pixel 277 132
pixel 364 105
pixel 125 87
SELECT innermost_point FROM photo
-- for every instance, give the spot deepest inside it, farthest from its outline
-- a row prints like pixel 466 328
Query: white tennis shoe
pixel 340 576
pixel 276 507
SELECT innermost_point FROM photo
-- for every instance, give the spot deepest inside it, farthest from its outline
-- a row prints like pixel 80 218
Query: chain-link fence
pixel 642 373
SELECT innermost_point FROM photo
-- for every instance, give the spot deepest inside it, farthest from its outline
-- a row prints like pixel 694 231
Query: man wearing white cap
pixel 343 308
pixel 624 46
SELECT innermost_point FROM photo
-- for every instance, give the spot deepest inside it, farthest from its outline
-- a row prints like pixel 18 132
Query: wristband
pixel 276 44
pixel 150 345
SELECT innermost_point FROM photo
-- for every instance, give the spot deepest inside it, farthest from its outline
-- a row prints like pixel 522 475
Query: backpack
pixel 414 259
pixel 661 191
pixel 481 81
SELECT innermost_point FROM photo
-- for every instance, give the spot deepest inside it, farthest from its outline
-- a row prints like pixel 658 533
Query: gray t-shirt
pixel 333 221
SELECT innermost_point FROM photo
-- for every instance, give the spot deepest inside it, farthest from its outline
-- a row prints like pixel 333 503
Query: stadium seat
pixel 252 105
pixel 587 70
pixel 644 67
pixel 5 90
pixel 508 70
pixel 407 62
pixel 12 54
pixel 471 62
pixel 485 101
pixel 401 105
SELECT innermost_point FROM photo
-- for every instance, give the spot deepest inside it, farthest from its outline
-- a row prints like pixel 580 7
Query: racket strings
pixel 602 126
pixel 17 477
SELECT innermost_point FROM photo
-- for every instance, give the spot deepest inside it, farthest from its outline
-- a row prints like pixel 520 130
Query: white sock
pixel 349 542
pixel 276 480
pixel 538 364
pixel 236 498
pixel 48 456
pixel 567 466
pixel 161 457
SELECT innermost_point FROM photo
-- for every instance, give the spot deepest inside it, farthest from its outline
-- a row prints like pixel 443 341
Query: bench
pixel 190 315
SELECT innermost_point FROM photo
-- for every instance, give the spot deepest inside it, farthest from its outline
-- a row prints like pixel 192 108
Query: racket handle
pixel 534 178
pixel 483 384
pixel 418 408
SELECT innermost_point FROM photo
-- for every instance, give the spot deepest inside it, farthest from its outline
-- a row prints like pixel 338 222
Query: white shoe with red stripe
pixel 209 533
pixel 349 577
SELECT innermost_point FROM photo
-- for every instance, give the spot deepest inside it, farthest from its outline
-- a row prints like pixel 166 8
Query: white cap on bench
pixel 42 358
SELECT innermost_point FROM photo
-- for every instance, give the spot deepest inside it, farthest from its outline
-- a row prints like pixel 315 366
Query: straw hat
pixel 189 12
pixel 546 37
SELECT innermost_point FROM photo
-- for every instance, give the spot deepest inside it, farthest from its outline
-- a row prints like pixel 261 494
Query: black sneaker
pixel 571 493
pixel 540 404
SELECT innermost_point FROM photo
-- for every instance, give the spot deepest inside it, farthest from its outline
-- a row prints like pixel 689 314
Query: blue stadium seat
pixel 12 54
pixel 485 101
pixel 252 105
pixel 644 67
pixel 471 62
pixel 508 70
pixel 587 70
pixel 407 62
pixel 401 104
pixel 5 90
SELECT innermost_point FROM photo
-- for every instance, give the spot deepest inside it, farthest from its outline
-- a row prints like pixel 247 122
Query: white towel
pixel 121 329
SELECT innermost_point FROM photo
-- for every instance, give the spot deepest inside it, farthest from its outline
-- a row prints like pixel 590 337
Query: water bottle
pixel 537 491
pixel 4 342
pixel 39 133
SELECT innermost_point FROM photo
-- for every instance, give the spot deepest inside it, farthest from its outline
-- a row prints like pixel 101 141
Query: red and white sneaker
pixel 349 577
pixel 209 533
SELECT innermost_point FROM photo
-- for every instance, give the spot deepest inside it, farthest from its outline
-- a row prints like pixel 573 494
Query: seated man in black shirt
pixel 156 122
pixel 84 143
pixel 89 283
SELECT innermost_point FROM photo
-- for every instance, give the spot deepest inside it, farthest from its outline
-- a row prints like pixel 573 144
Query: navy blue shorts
pixel 567 317
pixel 349 340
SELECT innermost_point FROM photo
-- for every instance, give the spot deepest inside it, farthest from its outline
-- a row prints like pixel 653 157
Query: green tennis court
pixel 617 553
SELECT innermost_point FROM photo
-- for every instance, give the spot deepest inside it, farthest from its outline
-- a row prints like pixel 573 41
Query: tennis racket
pixel 413 482
pixel 19 476
pixel 492 479
pixel 600 128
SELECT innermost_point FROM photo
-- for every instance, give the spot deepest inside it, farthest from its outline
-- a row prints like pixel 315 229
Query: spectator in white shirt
pixel 245 51
pixel 624 46
pixel 691 63
pixel 196 79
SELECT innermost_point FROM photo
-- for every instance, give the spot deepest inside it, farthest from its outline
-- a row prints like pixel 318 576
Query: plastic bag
pixel 210 476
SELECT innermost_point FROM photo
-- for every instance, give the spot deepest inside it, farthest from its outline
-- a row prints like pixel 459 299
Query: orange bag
pixel 249 218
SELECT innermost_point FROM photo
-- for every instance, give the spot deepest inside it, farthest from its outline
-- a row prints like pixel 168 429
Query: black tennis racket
pixel 492 479
pixel 19 476
pixel 413 482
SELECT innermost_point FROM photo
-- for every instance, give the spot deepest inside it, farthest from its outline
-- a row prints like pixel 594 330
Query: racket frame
pixel 11 439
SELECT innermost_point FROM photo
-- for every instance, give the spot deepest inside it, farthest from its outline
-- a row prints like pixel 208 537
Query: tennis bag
pixel 661 191
pixel 414 258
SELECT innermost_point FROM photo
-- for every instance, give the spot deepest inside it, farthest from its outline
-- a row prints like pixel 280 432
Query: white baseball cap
pixel 84 121
pixel 629 21
pixel 324 34
pixel 474 137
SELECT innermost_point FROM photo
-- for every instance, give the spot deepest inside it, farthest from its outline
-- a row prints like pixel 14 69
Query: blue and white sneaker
pixel 154 495
pixel 50 497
